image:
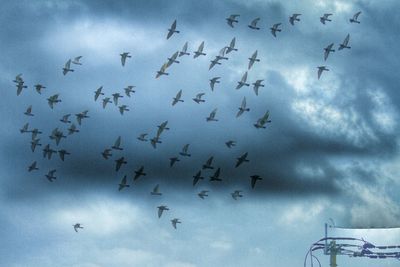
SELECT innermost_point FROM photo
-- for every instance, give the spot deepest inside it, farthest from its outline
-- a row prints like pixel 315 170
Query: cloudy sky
pixel 331 150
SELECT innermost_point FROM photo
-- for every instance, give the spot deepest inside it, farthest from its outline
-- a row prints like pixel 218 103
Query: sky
pixel 330 151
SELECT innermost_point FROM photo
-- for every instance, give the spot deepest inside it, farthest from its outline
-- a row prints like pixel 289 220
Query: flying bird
pixel 52 100
pixel 76 60
pixel 221 54
pixel 62 153
pixel 33 167
pixel 162 70
pixel 72 129
pixel 106 153
pixel 275 28
pixel 173 160
pixel 161 209
pixel 203 194
pixel 172 59
pixel 355 18
pixel 28 111
pixel 241 159
pixel 35 132
pixel 123 183
pixel 293 18
pixel 345 43
pixel 172 30
pixel 327 50
pixel 184 50
pixel 81 116
pixel 162 127
pixel 262 121
pixel 198 99
pixel 122 109
pixel 129 90
pixel 254 179
pixel 50 175
pixel 325 18
pixel 24 129
pixel 117 144
pixel 211 117
pixel 154 141
pixel 115 98
pixel 230 143
pixel 214 62
pixel 320 70
pixel 38 88
pixel 242 82
pixel 215 176
pixel 77 226
pixel 177 98
pixel 124 56
pixel 232 19
pixel 253 24
pixel 213 81
pixel 65 118
pixel 184 151
pixel 48 152
pixel 208 163
pixel 235 195
pixel 106 100
pixel 20 87
pixel 156 191
pixel 139 172
pixel 242 108
pixel 253 59
pixel 199 51
pixel 231 46
pixel 18 79
pixel 57 135
pixel 142 137
pixel 175 221
pixel 119 162
pixel 257 85
pixel 197 177
pixel 34 144
pixel 67 67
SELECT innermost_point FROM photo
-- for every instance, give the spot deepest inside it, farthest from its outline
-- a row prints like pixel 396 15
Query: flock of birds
pixel 58 135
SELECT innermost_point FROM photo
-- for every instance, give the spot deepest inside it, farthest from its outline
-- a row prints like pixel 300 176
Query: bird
pixel 321 69
pixel 106 153
pixel 81 116
pixel 98 92
pixel 199 51
pixel 253 59
pixel 162 71
pixel 221 54
pixel 177 98
pixel 76 60
pixel 355 18
pixel 213 81
pixel 325 18
pixel 106 100
pixel 65 118
pixel 327 50
pixel 162 127
pixel 33 167
pixel 156 191
pixel 231 46
pixel 124 56
pixel 24 129
pixel 172 30
pixel 123 184
pixel 262 121
pixel 242 108
pixel 275 28
pixel 197 177
pixel 175 221
pixel 214 62
pixel 184 50
pixel 230 143
pixel 242 82
pixel 161 209
pixel 236 194
pixel 35 132
pixel 139 172
pixel 173 160
pixel 122 109
pixel 184 151
pixel 215 176
pixel 67 67
pixel 39 87
pixel 211 117
pixel 119 162
pixel 18 78
pixel 241 159
pixel 62 153
pixel 117 144
pixel 203 194
pixel 172 59
pixel 293 18
pixel 198 99
pixel 77 226
pixel 254 179
pixel 57 135
pixel 34 144
pixel 257 85
pixel 28 111
pixel 52 100
pixel 72 129
pixel 20 86
pixel 129 90
pixel 115 98
pixel 154 141
pixel 50 175
pixel 231 19
pixel 253 24
pixel 142 137
pixel 208 163
pixel 345 43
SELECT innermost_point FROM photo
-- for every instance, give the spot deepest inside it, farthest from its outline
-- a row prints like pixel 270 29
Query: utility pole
pixel 333 252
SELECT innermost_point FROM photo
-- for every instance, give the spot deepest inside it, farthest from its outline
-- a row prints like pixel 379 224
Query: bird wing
pixel 118 142
pixel 160 211
pixel 319 72
pixel 355 17
pixel 185 47
pixel 254 22
pixel 232 44
pixel 173 26
pixel 243 106
pixel 244 77
pixel 346 40
pixel 68 64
